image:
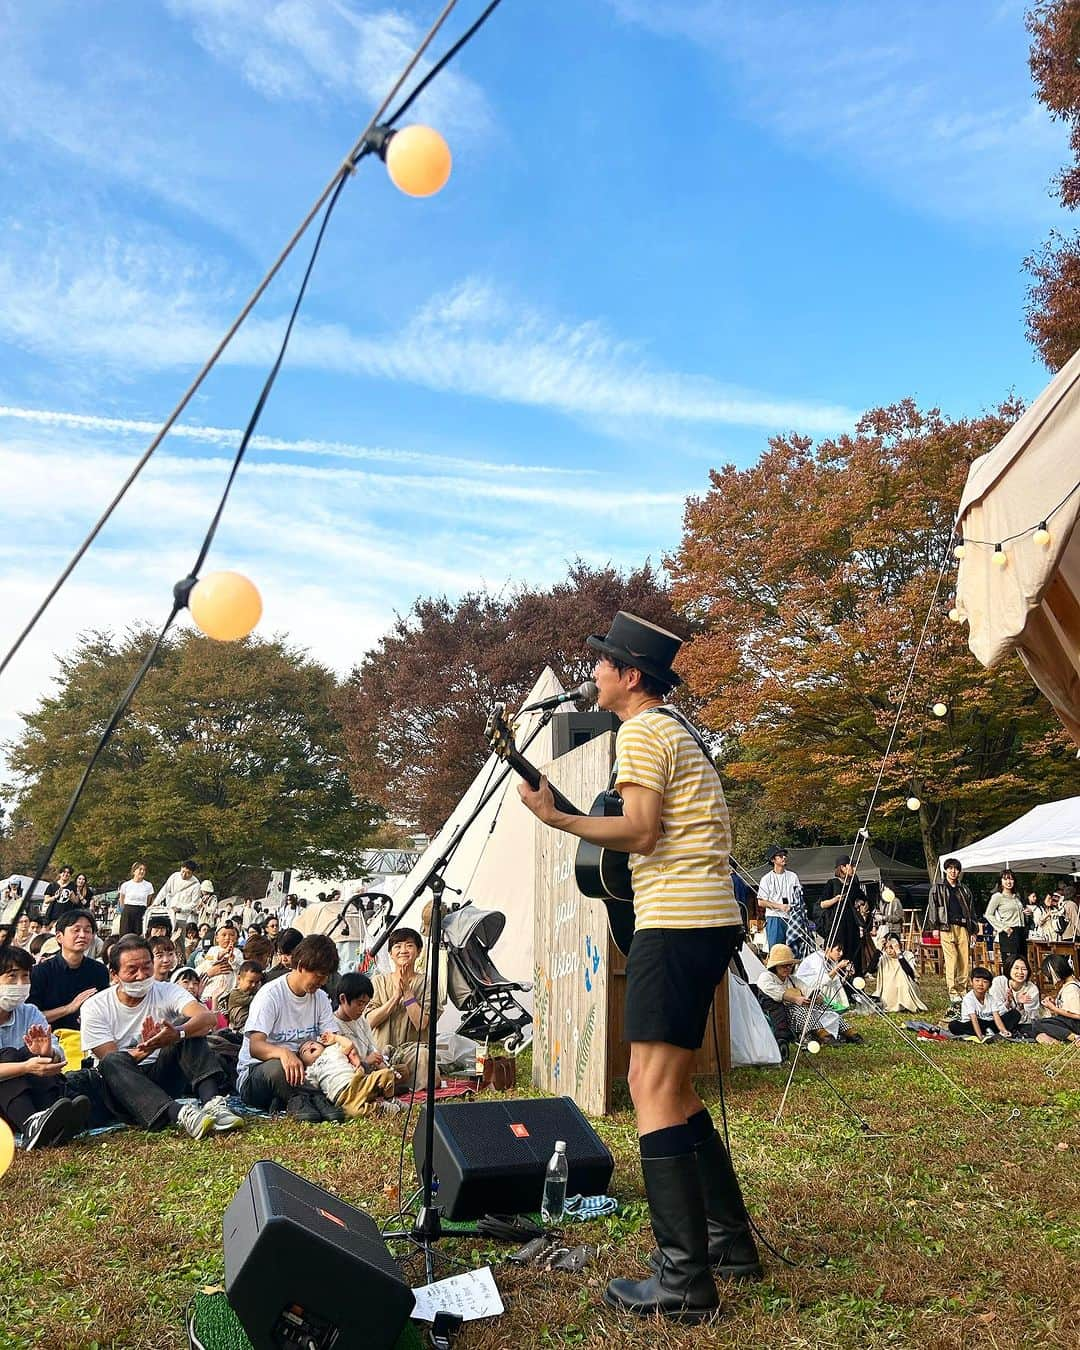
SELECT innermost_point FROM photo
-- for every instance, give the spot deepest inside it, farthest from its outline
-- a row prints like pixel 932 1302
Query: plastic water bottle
pixel 555 1178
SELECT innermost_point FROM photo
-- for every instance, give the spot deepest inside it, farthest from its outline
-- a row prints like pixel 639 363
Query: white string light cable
pixel 861 840
pixel 373 139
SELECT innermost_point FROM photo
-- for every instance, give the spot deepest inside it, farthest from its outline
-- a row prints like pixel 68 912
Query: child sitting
pixel 237 1002
pixel 336 1070
pixel 897 989
pixel 189 978
pixel 978 1015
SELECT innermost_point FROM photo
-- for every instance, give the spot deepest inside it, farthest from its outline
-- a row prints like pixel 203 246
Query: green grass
pixel 945 1230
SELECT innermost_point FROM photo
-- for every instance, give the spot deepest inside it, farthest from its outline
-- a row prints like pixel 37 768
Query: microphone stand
pixel 427 1227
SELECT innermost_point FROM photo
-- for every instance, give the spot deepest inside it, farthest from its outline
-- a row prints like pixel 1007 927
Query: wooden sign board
pixel 580 975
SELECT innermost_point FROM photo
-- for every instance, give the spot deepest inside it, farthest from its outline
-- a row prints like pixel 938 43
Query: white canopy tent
pixel 1031 604
pixel 1046 839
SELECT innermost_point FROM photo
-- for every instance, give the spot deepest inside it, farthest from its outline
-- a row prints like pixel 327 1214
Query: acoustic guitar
pixel 600 873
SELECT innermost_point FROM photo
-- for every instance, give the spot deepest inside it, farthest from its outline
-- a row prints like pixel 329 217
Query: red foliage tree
pixel 810 575
pixel 1053 302
pixel 415 708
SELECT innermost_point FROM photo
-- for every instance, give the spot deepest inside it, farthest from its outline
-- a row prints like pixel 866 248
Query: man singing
pixel 675 827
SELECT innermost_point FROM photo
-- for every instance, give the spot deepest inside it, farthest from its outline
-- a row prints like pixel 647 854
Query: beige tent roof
pixel 1032 604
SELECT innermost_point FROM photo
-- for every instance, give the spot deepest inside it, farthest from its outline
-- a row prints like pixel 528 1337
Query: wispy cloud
pixel 230 437
pixel 292 49
pixel 902 95
pixel 146 307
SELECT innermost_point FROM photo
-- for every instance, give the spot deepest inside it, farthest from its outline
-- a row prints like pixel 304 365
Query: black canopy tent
pixel 815 866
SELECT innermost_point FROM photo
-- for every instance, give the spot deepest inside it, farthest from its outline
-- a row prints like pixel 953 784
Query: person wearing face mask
pixel 148 1040
pixel 36 1099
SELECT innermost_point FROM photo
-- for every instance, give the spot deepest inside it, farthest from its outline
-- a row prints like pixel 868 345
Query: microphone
pixel 583 695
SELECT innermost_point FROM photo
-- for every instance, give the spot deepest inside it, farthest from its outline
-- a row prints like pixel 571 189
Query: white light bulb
pixel 1001 558
pixel 858 982
pixel 1042 536
pixel 913 803
pixel 813 1047
pixel 959 551
pixel 940 709
pixel 954 615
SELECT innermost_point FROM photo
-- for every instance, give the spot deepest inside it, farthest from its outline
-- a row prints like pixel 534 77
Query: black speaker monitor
pixel 307 1271
pixel 490 1157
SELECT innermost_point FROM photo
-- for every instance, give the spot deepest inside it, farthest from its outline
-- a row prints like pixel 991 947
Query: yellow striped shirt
pixel 686 881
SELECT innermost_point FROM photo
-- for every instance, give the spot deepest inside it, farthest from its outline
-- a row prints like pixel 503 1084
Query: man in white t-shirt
pixel 283 1015
pixel 775 890
pixel 146 1060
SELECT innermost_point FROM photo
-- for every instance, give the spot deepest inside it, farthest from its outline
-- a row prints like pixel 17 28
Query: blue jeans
pixel 775 929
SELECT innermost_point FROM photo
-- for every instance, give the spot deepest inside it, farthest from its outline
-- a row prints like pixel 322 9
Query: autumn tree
pixel 1053 302
pixel 415 708
pixel 810 575
pixel 231 753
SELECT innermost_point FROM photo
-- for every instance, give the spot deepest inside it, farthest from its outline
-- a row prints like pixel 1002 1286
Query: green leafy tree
pixel 231 753
pixel 415 708
pixel 810 575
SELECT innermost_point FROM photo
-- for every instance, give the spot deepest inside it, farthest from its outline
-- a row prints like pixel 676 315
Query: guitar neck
pixel 531 774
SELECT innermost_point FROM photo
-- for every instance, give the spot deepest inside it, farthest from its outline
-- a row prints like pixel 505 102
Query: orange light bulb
pixel 225 606
pixel 418 161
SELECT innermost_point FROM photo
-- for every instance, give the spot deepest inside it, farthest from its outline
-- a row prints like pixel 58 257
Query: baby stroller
pixel 484 997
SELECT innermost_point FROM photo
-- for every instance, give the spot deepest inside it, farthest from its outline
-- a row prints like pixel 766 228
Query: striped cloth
pixel 686 881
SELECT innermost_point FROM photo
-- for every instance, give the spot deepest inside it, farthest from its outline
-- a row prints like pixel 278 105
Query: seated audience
pixel 165 962
pixel 979 1017
pixel 61 984
pixel 22 934
pixel 822 974
pixel 36 1098
pixel 157 926
pixel 788 1008
pixel 1017 990
pixel 187 977
pixel 220 964
pixel 260 950
pixel 284 1014
pixel 897 986
pixel 335 1069
pixel 398 1015
pixel 1063 1022
pixel 237 1002
pixel 145 1059
pixel 284 947
pixel 353 993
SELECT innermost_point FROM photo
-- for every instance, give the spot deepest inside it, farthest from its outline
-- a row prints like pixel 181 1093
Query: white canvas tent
pixel 1046 839
pixel 1032 603
pixel 495 863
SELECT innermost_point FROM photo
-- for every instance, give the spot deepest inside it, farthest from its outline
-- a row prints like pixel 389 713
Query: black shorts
pixel 671 977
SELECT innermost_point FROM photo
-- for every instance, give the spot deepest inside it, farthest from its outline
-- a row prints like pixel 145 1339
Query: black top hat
pixel 641 644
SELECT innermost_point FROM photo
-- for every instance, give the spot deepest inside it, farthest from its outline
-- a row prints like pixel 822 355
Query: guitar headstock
pixel 499 733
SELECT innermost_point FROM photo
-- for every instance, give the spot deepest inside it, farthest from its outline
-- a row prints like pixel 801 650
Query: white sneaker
pixel 195 1121
pixel 224 1119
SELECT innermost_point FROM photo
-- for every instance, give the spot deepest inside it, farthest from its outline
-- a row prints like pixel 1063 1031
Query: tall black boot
pixel 732 1252
pixel 683 1287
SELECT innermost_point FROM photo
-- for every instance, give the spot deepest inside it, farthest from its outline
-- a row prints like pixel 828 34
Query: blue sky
pixel 672 230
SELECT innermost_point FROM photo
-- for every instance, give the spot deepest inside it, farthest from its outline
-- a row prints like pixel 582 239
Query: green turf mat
pixel 212 1325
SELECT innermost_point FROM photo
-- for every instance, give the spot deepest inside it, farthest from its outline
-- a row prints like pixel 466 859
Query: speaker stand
pixel 427 1227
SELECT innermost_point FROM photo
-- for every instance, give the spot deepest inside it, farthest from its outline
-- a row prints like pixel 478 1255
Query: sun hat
pixel 780 955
